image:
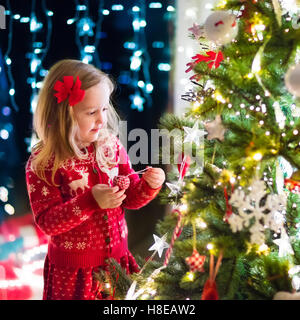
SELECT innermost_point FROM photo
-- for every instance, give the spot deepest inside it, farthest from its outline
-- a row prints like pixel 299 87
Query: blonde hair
pixel 56 126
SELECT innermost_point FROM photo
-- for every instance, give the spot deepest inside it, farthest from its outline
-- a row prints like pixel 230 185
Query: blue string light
pixel 39 51
pixel 8 60
pixel 85 30
pixel 140 59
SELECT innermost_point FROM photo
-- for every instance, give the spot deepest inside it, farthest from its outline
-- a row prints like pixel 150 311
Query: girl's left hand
pixel 155 177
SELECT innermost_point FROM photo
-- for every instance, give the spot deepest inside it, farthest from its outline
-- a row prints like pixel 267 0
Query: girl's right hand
pixel 108 197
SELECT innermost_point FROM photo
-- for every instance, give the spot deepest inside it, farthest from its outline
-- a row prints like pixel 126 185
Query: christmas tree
pixel 234 228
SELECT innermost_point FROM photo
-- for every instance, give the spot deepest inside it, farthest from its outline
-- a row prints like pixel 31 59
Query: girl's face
pixel 91 113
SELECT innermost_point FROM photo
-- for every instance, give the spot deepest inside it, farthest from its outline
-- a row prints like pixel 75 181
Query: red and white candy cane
pixel 176 234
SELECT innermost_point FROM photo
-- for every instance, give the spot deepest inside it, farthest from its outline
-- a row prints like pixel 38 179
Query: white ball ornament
pixel 292 80
pixel 221 27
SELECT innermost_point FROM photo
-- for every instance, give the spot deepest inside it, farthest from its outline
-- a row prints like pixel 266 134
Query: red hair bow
pixel 69 88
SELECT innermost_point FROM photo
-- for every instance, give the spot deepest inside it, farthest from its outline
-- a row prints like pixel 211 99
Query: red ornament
pixel 228 206
pixel 214 59
pixel 292 185
pixel 69 88
pixel 195 261
pixel 210 291
pixel 183 165
pixel 122 182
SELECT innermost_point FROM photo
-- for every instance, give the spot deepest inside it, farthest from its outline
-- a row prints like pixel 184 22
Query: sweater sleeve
pixel 139 192
pixel 52 215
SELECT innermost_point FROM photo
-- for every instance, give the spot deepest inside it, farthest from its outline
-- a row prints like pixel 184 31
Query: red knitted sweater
pixel 81 233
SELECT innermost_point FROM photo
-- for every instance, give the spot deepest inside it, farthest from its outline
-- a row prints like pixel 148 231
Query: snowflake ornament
pixel 256 215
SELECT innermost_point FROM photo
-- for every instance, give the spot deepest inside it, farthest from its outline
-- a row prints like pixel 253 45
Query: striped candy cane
pixel 176 234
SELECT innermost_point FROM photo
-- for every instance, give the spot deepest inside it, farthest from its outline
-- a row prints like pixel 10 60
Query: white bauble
pixel 221 27
pixel 292 80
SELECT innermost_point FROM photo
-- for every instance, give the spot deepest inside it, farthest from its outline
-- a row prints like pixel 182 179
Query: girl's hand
pixel 108 197
pixel 155 177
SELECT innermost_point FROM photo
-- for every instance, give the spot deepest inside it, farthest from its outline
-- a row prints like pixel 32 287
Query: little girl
pixel 69 179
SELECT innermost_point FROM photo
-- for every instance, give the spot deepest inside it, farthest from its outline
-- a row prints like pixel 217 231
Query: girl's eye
pixel 91 113
pixel 105 109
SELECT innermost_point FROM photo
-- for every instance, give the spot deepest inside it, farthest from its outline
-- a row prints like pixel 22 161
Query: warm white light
pixel 9 209
pixel 191 276
pixel 209 246
pixel 3 194
pixel 257 156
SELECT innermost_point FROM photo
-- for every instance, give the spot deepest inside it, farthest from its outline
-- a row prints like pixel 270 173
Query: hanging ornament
pixel 193 134
pixel 174 187
pixel 284 245
pixel 123 182
pixel 176 234
pixel 197 31
pixel 210 291
pixel 221 27
pixel 252 213
pixel 159 245
pixel 214 59
pixel 292 80
pixel 290 7
pixel 196 261
pixel 215 129
pixel 183 165
pixel 228 206
pixel 293 183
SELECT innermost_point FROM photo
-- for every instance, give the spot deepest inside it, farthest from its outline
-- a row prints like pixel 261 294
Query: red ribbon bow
pixel 69 88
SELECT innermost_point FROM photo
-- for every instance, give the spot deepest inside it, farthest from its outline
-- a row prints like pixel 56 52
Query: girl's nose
pixel 100 118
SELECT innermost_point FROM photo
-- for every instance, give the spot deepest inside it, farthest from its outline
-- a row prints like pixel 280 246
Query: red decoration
pixel 13 291
pixel 214 59
pixel 23 226
pixel 292 185
pixel 176 234
pixel 228 206
pixel 210 291
pixel 122 182
pixel 183 165
pixel 68 88
pixel 218 23
pixel 195 261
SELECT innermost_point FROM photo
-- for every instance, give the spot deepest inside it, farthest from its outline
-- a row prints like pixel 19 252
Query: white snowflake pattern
pixel 68 245
pixel 76 210
pixel 251 213
pixel 31 188
pixel 45 191
pixel 80 245
pixel 84 217
pixel 124 232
